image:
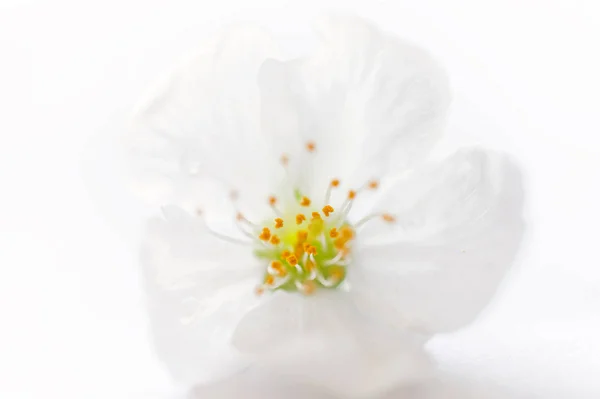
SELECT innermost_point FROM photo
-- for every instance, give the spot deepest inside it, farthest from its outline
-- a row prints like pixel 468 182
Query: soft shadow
pixel 445 386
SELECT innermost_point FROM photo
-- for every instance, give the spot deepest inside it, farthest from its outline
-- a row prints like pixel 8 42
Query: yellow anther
pixel 388 218
pixel 284 160
pixel 306 247
pixel 275 240
pixel 312 250
pixel 292 260
pixel 265 235
pixel 300 218
pixel 301 236
pixel 351 194
pixel 333 233
pixel 278 267
pixel 339 243
pixel 316 216
pixel 335 183
pixel 278 223
pixel 272 200
pixel 373 184
pixel 285 253
pixel 327 209
pixel 269 280
pixel 311 146
pixel 305 201
pixel 347 233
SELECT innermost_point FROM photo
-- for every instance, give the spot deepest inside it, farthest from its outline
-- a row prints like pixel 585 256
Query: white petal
pixel 198 288
pixel 460 225
pixel 203 122
pixel 372 103
pixel 322 340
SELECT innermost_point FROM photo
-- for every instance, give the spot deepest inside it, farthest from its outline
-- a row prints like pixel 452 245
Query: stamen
pixel 266 234
pixel 278 223
pixel 316 216
pixel 385 216
pixel 311 146
pixel 334 260
pixel 333 233
pixel 292 260
pixel 300 218
pixel 388 218
pixel 301 236
pixel 327 209
pixel 333 184
pixel 307 287
pixel 373 184
pixel 305 201
pixel 285 160
pixel 276 267
pixel 273 203
pixel 275 240
pixel 269 280
pixel 223 237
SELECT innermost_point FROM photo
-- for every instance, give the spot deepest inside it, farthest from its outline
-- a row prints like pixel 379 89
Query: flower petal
pixel 371 103
pixel 203 123
pixel 460 227
pixel 198 288
pixel 324 341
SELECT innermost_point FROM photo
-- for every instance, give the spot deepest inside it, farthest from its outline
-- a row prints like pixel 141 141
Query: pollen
pixel 292 260
pixel 285 254
pixel 327 209
pixel 335 183
pixel 269 280
pixel 351 194
pixel 300 218
pixel 272 200
pixel 275 240
pixel 373 184
pixel 302 236
pixel 278 223
pixel 316 216
pixel 333 233
pixel 278 267
pixel 347 233
pixel 265 235
pixel 388 218
pixel 305 201
pixel 311 146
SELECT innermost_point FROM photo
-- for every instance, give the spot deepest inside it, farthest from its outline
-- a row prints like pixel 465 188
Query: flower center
pixel 305 251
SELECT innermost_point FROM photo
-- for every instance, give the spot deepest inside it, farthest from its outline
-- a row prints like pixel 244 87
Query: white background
pixel 525 74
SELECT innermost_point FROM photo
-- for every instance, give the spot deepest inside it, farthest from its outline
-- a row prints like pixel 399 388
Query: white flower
pixel 301 232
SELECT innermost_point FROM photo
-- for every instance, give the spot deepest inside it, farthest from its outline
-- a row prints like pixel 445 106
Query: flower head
pixel 322 239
